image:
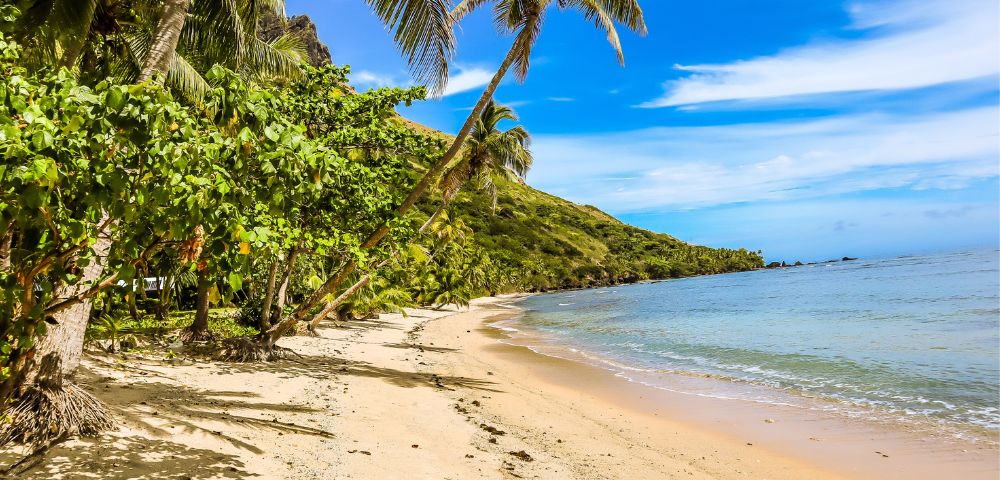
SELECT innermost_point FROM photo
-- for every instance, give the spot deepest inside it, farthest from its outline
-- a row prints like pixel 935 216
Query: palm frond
pixel 423 33
pixel 466 7
pixel 184 77
pixel 280 58
pixel 594 11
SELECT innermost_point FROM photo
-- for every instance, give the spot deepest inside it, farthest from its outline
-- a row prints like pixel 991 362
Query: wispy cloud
pixel 467 79
pixel 908 44
pixel 371 79
pixel 693 167
pixel 561 99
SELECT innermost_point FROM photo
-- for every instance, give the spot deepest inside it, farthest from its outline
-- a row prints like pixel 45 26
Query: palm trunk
pixel 418 190
pixel 286 278
pixel 46 405
pixel 333 304
pixel 165 38
pixel 58 352
pixel 265 309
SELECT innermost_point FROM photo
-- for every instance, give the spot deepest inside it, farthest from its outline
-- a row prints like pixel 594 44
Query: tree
pixel 179 40
pixel 490 153
pixel 525 19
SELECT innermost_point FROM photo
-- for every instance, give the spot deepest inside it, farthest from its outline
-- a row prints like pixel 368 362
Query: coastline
pixel 427 395
pixel 829 442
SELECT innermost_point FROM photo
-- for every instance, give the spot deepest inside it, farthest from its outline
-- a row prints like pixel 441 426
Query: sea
pixel 910 339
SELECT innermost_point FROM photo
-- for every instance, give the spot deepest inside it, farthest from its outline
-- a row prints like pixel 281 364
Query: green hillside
pixel 548 242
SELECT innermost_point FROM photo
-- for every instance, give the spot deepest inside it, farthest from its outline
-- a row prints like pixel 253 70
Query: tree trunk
pixel 418 190
pixel 58 352
pixel 286 278
pixel 133 311
pixel 6 242
pixel 265 309
pixel 199 327
pixel 165 38
pixel 163 304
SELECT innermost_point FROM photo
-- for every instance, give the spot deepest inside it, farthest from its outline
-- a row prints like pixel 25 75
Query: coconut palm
pixel 422 32
pixel 524 18
pixel 490 154
pixel 133 41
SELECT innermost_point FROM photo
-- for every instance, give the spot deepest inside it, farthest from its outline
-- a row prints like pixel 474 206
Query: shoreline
pixel 701 384
pixel 851 447
pixel 435 395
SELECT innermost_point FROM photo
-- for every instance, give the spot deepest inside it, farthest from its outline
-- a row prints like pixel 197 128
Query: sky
pixel 806 129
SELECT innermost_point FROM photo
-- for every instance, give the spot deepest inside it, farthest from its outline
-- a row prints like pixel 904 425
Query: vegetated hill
pixel 547 242
pixel 553 243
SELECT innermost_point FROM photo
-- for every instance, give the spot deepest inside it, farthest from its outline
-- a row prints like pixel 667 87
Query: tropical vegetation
pixel 159 158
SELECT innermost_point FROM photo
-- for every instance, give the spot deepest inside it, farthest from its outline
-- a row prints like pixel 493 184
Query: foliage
pixel 109 39
pixel 532 241
pixel 212 185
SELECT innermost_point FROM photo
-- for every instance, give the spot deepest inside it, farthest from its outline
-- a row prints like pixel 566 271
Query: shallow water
pixel 915 338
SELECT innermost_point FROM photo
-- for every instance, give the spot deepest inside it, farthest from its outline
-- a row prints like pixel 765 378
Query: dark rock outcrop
pixel 270 27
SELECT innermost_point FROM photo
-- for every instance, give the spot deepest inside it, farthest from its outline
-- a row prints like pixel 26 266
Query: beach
pixel 440 394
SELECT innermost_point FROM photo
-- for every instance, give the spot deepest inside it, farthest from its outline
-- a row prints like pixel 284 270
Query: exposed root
pixel 193 336
pixel 251 350
pixel 42 416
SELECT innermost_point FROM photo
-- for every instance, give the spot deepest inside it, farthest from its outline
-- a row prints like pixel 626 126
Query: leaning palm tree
pixel 423 32
pixel 490 154
pixel 524 18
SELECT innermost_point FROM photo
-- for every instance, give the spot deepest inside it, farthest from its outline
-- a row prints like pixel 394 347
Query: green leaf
pixel 235 281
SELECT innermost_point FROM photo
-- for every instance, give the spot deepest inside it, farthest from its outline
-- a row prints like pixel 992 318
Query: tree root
pixel 251 350
pixel 192 336
pixel 42 416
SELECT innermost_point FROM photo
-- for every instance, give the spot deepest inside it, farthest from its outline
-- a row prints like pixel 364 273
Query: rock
pixel 522 455
pixel 847 259
pixel 798 263
pixel 270 27
pixel 491 430
pixel 774 265
pixel 768 420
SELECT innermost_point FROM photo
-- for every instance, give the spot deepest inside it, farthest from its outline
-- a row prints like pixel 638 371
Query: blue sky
pixel 807 129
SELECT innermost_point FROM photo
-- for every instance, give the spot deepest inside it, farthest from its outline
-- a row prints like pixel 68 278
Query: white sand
pixel 394 398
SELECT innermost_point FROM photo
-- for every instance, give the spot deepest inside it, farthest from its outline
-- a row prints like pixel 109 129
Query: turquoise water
pixel 915 336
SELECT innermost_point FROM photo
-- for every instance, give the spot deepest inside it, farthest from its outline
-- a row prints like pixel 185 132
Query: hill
pixel 548 242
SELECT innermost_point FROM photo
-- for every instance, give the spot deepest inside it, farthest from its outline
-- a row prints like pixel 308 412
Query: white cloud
pixel 693 167
pixel 910 44
pixel 467 79
pixel 372 79
pixel 561 99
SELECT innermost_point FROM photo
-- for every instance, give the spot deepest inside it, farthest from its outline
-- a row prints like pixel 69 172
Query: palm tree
pixel 423 33
pixel 490 154
pixel 180 39
pixel 525 19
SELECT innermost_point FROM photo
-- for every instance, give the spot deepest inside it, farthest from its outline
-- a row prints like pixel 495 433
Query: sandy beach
pixel 438 394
